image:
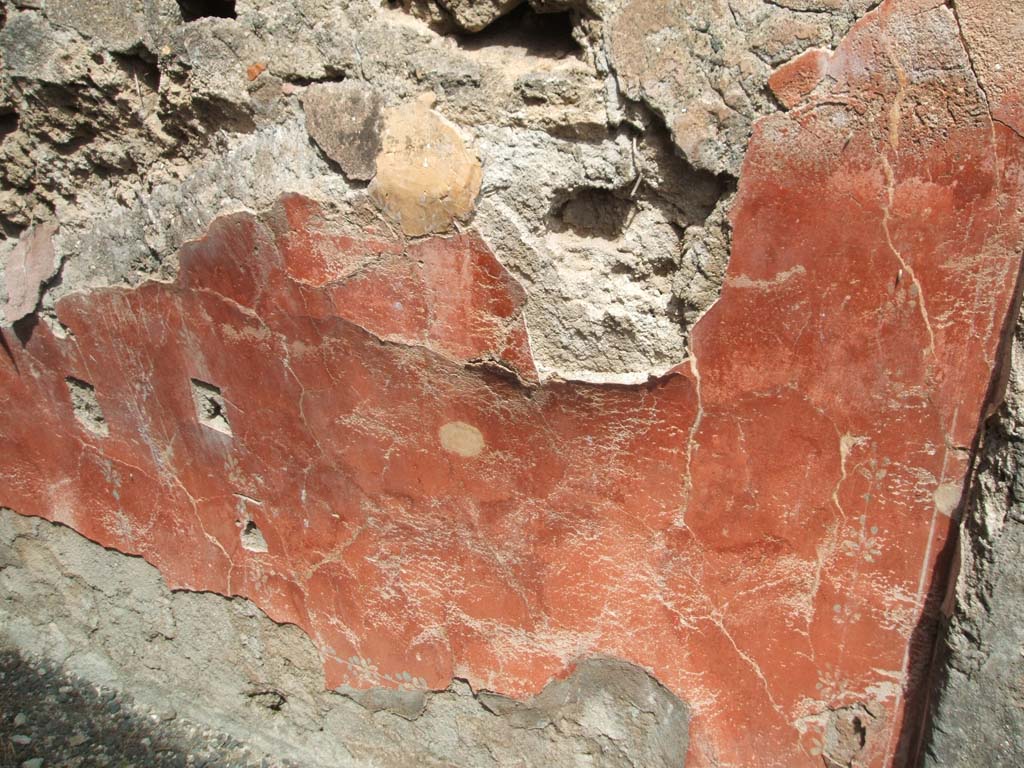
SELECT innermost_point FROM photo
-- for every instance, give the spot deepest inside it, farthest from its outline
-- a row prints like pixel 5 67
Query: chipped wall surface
pixel 979 670
pixel 587 353
pixel 112 620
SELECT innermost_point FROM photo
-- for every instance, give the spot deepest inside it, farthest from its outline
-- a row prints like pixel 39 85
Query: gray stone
pixel 117 26
pixel 345 121
pixel 33 49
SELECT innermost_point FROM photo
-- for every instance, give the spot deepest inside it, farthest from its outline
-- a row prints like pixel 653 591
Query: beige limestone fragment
pixel 426 175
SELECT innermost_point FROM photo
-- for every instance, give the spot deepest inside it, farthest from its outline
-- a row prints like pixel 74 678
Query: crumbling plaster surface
pixel 134 129
pixel 386 358
pixel 112 620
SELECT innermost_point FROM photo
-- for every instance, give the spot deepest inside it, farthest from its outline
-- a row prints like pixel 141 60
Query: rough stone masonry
pixel 501 383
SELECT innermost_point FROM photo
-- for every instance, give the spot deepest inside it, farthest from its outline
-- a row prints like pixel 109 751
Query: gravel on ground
pixel 49 719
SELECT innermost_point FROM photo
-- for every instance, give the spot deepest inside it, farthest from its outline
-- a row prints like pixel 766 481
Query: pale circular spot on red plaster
pixel 461 438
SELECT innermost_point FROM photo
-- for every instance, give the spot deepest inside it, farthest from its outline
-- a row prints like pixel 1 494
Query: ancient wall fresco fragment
pixel 758 528
pixel 427 177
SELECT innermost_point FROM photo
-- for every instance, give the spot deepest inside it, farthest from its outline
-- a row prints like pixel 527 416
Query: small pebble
pixel 35 762
pixel 21 739
pixel 20 720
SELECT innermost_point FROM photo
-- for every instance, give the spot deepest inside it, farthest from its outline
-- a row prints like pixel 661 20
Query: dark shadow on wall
pixel 926 666
pixel 200 9
pixel 23 330
pixel 926 638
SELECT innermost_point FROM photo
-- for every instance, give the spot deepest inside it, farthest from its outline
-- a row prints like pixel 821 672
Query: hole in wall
pixel 592 212
pixel 252 537
pixel 11 230
pixel 540 34
pixel 86 406
pixel 202 9
pixel 8 123
pixel 141 66
pixel 211 408
pixel 860 732
pixel 846 736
